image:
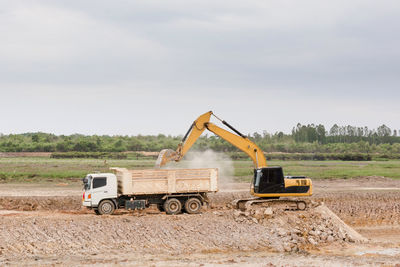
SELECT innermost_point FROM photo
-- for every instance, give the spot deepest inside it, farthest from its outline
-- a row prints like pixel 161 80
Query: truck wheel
pixel 193 205
pixel 106 207
pixel 172 206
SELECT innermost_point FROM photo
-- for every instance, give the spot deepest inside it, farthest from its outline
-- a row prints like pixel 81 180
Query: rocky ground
pixel 346 224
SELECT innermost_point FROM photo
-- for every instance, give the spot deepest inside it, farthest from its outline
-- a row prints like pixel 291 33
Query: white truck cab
pixel 98 187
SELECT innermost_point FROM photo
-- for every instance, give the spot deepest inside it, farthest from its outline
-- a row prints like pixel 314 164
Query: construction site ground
pixel 350 222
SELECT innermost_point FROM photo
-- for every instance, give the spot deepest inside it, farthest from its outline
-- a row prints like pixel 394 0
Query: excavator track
pixel 284 204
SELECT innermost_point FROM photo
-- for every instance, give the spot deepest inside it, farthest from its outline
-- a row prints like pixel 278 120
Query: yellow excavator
pixel 269 184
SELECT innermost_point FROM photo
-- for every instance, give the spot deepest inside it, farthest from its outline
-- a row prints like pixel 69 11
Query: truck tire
pixel 172 206
pixel 193 205
pixel 106 207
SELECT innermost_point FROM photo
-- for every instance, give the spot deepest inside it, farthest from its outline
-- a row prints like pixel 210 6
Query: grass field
pixel 39 169
pixel 326 169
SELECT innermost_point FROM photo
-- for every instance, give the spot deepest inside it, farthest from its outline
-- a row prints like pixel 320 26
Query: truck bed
pixel 166 181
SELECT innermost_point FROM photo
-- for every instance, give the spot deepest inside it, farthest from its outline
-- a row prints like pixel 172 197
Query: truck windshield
pixel 86 182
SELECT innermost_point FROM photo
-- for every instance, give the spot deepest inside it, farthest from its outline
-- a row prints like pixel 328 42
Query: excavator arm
pixel 237 139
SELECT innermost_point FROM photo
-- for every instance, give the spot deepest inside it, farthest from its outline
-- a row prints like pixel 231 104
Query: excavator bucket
pixel 165 156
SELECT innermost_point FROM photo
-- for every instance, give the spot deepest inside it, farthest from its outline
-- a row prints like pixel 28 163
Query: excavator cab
pixel 270 181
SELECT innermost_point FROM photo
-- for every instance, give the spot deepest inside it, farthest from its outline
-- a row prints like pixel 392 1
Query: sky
pixel 150 67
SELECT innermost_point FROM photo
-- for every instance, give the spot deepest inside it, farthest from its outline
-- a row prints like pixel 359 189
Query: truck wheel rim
pixel 193 206
pixel 173 206
pixel 107 208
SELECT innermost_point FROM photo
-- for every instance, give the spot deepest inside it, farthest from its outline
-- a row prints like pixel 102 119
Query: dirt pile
pixel 354 208
pixel 296 230
pixel 40 203
pixel 364 208
pixel 43 233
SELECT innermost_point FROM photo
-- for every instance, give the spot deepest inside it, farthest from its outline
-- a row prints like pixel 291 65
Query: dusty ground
pixel 44 224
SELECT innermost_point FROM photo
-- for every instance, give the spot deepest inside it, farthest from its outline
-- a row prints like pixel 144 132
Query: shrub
pixel 94 155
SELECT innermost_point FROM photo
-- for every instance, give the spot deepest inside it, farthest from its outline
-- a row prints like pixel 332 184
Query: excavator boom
pixel 239 140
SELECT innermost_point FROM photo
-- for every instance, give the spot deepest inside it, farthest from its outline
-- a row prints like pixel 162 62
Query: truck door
pixel 99 190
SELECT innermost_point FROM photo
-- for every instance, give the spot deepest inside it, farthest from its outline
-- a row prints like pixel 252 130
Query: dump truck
pixel 172 190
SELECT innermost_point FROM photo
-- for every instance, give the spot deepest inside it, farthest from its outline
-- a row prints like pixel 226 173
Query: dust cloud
pixel 208 159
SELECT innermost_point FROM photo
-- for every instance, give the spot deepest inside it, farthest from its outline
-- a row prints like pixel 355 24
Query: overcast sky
pixel 149 67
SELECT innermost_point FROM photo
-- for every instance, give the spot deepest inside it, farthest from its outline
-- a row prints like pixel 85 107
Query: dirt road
pixel 45 225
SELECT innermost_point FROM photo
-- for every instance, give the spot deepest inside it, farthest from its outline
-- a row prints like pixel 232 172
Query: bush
pixel 94 155
pixel 310 156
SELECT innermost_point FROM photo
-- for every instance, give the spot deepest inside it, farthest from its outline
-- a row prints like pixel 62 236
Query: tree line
pixel 344 134
pixel 309 138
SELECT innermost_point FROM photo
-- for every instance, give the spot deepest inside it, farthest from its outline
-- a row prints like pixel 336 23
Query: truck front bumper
pixel 87 203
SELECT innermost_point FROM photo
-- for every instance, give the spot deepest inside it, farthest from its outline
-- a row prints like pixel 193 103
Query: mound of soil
pixel 364 208
pixel 44 233
pixel 295 230
pixel 354 208
pixel 40 203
